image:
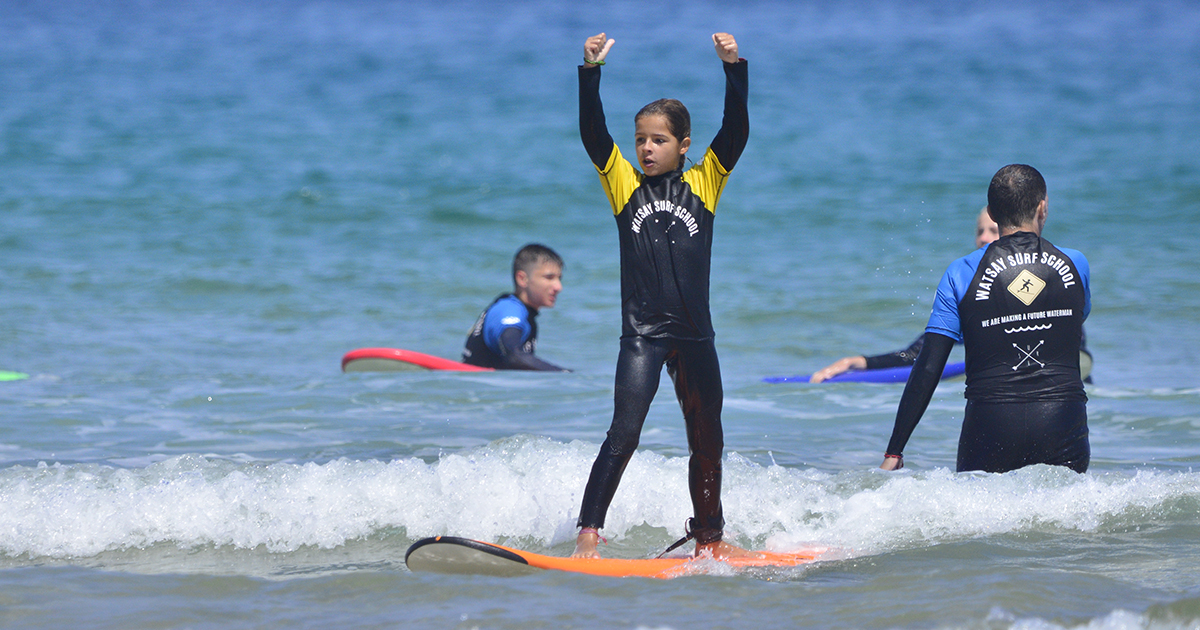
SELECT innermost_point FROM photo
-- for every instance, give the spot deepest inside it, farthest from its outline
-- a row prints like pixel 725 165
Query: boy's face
pixel 539 289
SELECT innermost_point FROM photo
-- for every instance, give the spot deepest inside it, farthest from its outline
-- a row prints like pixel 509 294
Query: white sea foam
pixel 530 488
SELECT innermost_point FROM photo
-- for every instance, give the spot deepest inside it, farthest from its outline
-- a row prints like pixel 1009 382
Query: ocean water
pixel 204 205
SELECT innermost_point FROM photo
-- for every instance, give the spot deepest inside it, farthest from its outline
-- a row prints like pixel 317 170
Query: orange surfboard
pixel 450 554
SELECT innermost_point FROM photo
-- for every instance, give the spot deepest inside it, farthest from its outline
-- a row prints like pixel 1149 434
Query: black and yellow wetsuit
pixel 665 228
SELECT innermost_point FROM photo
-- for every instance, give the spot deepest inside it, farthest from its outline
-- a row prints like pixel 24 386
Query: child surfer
pixel 505 335
pixel 664 220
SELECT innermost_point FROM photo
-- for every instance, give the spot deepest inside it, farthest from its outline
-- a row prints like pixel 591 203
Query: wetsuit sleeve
pixel 922 382
pixel 617 175
pixel 735 125
pixel 503 316
pixel 592 127
pixel 899 358
pixel 707 178
pixel 944 319
pixel 515 358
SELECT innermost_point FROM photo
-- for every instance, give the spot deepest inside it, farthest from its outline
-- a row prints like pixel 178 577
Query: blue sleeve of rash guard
pixel 507 313
pixel 943 319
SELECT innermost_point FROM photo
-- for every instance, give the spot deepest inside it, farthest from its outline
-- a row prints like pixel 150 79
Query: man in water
pixel 1025 399
pixel 986 232
pixel 505 335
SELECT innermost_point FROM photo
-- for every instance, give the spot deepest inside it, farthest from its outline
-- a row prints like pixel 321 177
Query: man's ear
pixel 521 278
pixel 1043 210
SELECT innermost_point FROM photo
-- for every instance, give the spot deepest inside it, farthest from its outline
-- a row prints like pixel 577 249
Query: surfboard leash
pixel 688 535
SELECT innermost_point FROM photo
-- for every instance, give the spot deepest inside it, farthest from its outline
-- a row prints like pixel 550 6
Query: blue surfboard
pixel 885 375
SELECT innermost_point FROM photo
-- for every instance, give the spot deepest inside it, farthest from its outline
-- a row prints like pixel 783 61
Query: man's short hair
pixel 1014 195
pixel 530 257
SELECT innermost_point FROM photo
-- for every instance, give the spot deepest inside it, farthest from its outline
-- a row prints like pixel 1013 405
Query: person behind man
pixel 1018 306
pixel 985 232
pixel 505 335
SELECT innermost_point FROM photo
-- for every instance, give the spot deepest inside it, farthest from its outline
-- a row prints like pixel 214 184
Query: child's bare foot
pixel 585 545
pixel 721 550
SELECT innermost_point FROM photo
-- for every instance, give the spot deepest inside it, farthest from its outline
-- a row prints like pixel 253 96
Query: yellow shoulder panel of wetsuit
pixel 619 179
pixel 707 179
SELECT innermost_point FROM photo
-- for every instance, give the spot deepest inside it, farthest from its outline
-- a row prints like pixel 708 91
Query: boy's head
pixel 986 230
pixel 537 275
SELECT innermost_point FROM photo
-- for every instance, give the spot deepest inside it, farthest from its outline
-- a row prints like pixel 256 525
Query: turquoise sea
pixel 205 203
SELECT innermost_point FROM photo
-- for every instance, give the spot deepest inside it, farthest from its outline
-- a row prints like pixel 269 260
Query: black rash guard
pixel 908 356
pixel 1022 323
pixel 665 228
pixel 1018 306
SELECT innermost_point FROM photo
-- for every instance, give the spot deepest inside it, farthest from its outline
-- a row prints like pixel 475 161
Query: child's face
pixel 658 151
pixel 540 288
pixel 986 230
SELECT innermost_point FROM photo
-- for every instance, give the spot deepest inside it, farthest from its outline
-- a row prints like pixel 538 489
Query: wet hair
pixel 530 257
pixel 679 121
pixel 1014 195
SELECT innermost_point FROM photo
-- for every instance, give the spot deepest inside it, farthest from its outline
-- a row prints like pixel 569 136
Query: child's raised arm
pixel 592 128
pixel 725 44
pixel 596 48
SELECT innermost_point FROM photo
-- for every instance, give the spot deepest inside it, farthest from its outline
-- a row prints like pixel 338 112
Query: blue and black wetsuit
pixel 1018 306
pixel 665 230
pixel 505 337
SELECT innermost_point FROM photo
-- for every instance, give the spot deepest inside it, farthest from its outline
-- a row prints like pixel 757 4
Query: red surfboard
pixel 396 360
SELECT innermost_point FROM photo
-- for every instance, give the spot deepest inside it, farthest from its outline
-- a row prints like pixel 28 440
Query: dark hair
pixel 528 258
pixel 1014 195
pixel 679 121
